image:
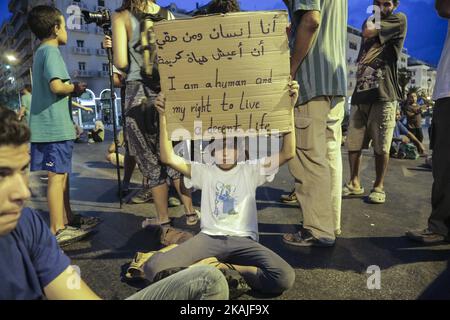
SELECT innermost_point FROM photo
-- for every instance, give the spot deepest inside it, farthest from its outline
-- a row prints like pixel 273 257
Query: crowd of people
pixel 227 247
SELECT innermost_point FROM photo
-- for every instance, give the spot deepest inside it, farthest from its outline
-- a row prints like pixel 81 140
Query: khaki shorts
pixel 374 122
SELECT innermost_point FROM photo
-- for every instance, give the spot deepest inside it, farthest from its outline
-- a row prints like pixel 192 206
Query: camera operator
pixel 142 88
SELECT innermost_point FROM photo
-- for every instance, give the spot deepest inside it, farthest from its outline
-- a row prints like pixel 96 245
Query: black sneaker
pixel 426 236
pixel 304 238
pixel 143 196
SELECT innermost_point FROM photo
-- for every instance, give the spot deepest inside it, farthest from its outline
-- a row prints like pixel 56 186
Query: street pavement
pixel 373 235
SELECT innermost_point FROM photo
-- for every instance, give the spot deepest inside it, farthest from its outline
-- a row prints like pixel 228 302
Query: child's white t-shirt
pixel 228 204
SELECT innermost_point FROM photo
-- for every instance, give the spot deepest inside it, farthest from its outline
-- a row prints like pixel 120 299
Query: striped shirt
pixel 324 70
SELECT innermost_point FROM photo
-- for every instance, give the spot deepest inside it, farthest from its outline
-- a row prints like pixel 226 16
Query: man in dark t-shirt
pixel 33 266
pixel 376 96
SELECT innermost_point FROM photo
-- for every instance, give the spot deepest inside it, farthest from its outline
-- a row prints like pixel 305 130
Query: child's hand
pixel 293 91
pixel 107 42
pixel 160 104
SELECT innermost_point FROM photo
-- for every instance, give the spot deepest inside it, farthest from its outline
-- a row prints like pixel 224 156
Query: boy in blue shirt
pixel 32 265
pixel 52 130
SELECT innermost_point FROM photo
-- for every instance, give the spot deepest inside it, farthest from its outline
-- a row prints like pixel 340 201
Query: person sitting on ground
pixel 403 137
pixel 229 229
pixel 111 156
pixel 414 115
pixel 98 133
pixel 33 266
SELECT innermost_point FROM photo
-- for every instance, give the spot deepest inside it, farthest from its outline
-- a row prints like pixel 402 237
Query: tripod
pixel 112 101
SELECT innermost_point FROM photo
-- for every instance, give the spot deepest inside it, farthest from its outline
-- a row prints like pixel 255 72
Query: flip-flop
pixel 192 218
pixel 377 196
pixel 136 269
pixel 349 191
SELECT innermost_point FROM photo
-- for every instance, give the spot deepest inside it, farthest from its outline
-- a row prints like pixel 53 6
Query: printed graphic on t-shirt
pixel 225 202
pixel 370 69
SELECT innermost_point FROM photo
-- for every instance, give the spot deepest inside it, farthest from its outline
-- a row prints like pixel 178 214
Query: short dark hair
pixel 42 20
pixel 12 131
pixel 27 87
pixel 223 6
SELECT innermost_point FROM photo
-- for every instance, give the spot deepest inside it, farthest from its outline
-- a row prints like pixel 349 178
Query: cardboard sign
pixel 225 74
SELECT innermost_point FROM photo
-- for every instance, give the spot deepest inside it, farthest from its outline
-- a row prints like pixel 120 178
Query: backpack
pixel 410 151
pixel 147 46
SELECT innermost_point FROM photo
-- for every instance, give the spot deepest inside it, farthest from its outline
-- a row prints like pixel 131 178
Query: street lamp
pixel 11 58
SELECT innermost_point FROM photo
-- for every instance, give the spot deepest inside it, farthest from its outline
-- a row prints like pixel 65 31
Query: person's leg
pixel 68 214
pixel 381 166
pixel 311 170
pixel 439 221
pixel 193 250
pixel 55 199
pixel 194 283
pixel 334 156
pixel 186 199
pixel 357 134
pixel 129 165
pixel 355 159
pixel 160 198
pixel 261 268
pixel 382 122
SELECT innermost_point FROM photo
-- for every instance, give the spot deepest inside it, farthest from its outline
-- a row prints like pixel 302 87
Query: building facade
pixel 423 76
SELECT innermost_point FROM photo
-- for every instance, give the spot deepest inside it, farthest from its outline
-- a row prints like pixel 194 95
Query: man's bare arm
pixel 69 286
pixel 307 31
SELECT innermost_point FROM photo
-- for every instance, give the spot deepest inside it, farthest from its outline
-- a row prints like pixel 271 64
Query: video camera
pixel 101 18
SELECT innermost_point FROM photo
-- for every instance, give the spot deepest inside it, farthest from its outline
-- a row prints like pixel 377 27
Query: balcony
pixel 20 24
pixel 81 51
pixel 83 28
pixel 103 74
pixel 22 40
pixel 84 74
pixel 99 30
pixel 101 52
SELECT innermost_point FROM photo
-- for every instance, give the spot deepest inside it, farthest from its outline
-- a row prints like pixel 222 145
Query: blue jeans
pixel 193 283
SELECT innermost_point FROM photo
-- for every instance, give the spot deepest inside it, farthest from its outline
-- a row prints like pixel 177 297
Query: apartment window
pixel 101 3
pixel 105 67
pixel 82 66
pixel 80 43
pixel 353 45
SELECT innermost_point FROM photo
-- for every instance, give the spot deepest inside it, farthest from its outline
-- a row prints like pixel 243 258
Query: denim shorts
pixel 54 157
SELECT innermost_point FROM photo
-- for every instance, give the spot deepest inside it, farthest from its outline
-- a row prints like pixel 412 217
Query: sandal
pixel 154 222
pixel 136 269
pixel 377 196
pixel 192 218
pixel 348 191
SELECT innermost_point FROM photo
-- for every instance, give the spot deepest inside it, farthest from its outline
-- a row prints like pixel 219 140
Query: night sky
pixel 426 33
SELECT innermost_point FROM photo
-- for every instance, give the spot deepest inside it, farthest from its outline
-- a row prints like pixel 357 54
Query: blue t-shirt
pixel 30 259
pixel 400 130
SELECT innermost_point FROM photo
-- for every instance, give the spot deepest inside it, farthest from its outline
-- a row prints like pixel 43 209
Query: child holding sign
pixel 229 215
